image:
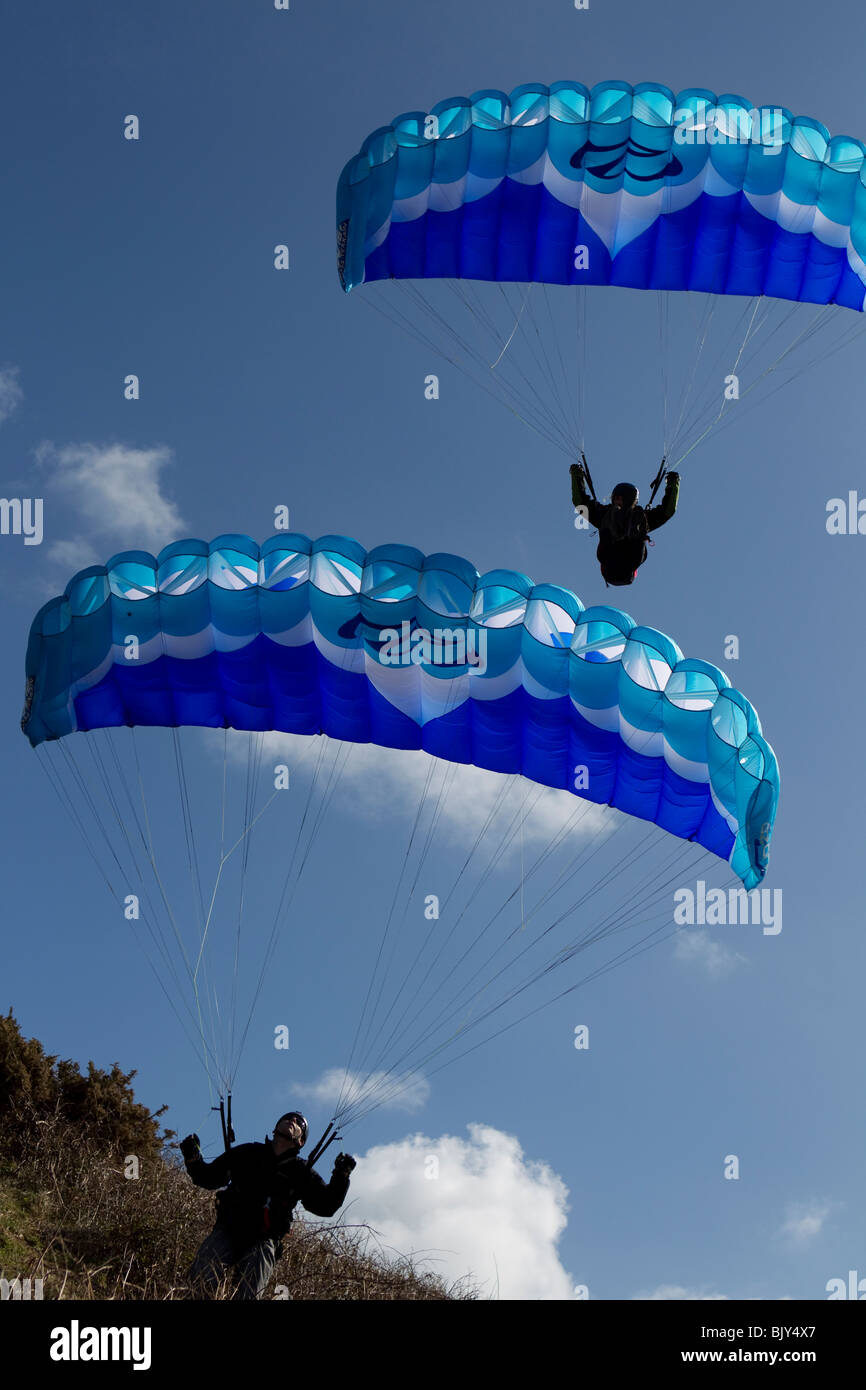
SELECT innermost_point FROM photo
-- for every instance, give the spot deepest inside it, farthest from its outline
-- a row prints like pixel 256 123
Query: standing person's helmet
pixel 627 493
pixel 298 1119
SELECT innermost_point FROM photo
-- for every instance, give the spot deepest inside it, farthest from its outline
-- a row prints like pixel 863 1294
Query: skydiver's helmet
pixel 625 495
pixel 624 517
pixel 298 1119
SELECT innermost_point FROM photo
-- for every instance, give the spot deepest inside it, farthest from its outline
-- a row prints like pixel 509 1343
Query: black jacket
pixel 262 1190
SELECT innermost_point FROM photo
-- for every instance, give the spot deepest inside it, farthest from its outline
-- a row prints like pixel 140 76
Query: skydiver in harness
pixel 622 525
pixel 262 1183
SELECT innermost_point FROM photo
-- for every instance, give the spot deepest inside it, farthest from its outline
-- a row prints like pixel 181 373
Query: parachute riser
pixel 225 1112
pixel 323 1144
pixel 657 481
pixel 590 484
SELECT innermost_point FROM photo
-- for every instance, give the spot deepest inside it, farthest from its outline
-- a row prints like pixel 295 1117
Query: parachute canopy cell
pixel 615 185
pixel 409 651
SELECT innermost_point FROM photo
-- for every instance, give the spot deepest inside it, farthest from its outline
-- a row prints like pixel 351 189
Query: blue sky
pixel 260 388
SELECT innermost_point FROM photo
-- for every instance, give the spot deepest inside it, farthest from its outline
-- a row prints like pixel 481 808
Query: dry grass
pixel 72 1217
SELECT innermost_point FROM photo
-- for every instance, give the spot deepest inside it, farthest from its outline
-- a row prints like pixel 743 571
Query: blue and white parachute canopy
pixel 409 651
pixel 614 185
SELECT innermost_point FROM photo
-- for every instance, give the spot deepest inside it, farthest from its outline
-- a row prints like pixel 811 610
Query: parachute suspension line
pixel 254 761
pixel 148 852
pixel 705 400
pixel 627 954
pixel 146 834
pixel 507 344
pixel 664 348
pixel 195 886
pixel 707 323
pixel 151 917
pixel 697 355
pixel 663 303
pixel 223 806
pixel 603 883
pixel 570 425
pixel 291 878
pixel 738 357
pixel 244 861
pixel 357 1040
pixel 432 1027
pixel 492 815
pixel 272 937
pixel 77 779
pixel 534 397
pixel 242 839
pixel 698 406
pixel 151 914
pixel 422 804
pixel 557 408
pixel 419 1009
pixel 583 361
pixel 456 1005
pixel 335 776
pixel 195 881
pixel 571 392
pixel 615 920
pixel 825 316
pixel 386 1092
pixel 843 342
pixel 69 806
pixel 372 1065
pixel 801 337
pixel 446 782
pixel 186 816
pixel 473 303
pixel 550 848
pixel 522 867
pixel 584 858
pixel 350 1081
pixel 408 324
pixel 565 420
pixel 625 919
pixel 442 798
pixel 654 891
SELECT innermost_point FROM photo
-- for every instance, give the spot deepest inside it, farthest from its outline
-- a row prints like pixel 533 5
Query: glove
pixel 343 1165
pixel 577 469
pixel 671 478
pixel 190 1147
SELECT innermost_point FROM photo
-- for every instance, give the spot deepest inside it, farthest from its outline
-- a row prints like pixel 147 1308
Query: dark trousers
pixel 621 559
pixel 217 1253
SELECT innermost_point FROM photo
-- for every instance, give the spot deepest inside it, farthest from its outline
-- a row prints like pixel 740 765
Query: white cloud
pixel 696 946
pixel 394 780
pixel 804 1221
pixel 113 492
pixel 73 555
pixel 490 1213
pixel 11 394
pixel 409 1092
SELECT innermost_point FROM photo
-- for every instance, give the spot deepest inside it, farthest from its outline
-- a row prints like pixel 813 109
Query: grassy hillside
pixel 95 1203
